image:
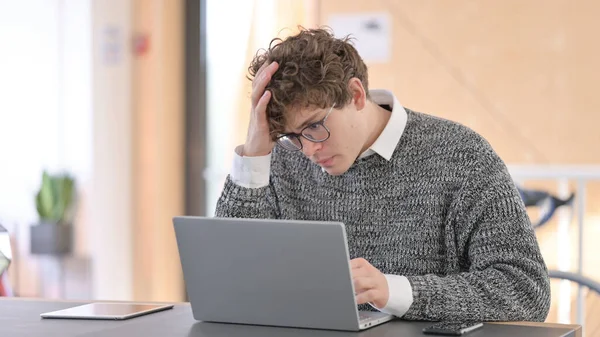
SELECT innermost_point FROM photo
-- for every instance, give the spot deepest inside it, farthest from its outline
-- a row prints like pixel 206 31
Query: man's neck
pixel 376 119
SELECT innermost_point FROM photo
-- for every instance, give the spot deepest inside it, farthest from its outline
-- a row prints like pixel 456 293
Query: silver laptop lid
pixel 267 272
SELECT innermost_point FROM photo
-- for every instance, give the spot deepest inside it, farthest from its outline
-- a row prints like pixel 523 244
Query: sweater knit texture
pixel 444 212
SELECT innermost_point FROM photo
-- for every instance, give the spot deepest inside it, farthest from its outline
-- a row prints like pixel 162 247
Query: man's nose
pixel 310 148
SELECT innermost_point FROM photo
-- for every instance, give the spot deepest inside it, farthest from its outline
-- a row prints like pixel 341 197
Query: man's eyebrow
pixel 308 121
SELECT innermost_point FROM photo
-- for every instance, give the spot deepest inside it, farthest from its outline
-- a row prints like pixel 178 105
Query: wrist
pixel 248 151
pixel 383 300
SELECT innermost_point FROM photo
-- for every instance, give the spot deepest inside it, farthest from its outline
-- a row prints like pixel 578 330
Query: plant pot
pixel 51 239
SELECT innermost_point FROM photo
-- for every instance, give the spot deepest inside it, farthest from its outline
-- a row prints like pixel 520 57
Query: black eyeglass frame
pixel 301 135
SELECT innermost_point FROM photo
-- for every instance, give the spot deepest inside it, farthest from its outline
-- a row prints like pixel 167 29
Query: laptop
pixel 285 273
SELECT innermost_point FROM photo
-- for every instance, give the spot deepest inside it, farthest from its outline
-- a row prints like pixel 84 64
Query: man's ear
pixel 359 96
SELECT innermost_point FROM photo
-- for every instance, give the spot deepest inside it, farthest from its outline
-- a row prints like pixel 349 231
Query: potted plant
pixel 55 204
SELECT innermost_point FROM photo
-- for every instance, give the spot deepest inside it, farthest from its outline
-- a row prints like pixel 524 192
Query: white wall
pixel 45 114
pixel 29 116
pixel 65 79
pixel 111 215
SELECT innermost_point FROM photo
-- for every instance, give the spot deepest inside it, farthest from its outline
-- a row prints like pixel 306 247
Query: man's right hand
pixel 258 140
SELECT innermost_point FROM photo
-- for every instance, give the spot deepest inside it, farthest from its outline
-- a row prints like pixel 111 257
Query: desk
pixel 20 317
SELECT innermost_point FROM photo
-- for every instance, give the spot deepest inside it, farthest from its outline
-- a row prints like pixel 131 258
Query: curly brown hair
pixel 314 70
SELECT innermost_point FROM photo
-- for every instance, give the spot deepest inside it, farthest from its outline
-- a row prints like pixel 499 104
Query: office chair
pixel 545 202
pixel 590 300
pixel 548 205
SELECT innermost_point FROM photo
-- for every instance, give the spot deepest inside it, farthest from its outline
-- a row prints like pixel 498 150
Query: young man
pixel 436 229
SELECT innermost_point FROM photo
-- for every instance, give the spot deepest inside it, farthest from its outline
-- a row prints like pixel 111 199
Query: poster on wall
pixel 111 45
pixel 371 33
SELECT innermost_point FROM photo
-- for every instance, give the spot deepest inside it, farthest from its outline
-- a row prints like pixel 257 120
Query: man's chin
pixel 336 170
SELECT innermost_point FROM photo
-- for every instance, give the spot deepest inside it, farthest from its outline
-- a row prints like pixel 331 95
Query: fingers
pixel 266 71
pixel 261 69
pixel 358 263
pixel 360 267
pixel 370 284
pixel 261 80
pixel 271 69
pixel 363 283
pixel 362 275
pixel 261 106
pixel 367 296
pixel 360 272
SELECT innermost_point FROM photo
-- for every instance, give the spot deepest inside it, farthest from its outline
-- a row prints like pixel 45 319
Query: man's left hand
pixel 370 284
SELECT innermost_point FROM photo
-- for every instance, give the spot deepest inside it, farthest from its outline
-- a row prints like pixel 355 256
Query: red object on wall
pixel 141 44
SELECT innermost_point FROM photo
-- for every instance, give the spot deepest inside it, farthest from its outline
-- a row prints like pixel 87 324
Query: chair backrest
pixel 577 278
pixel 586 311
pixel 545 202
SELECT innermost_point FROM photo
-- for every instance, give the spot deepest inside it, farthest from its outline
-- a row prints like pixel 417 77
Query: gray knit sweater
pixel 443 212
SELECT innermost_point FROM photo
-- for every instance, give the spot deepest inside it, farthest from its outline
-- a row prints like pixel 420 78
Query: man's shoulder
pixel 440 125
pixel 438 134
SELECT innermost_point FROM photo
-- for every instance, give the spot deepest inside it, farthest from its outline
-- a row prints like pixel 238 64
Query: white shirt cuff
pixel 401 296
pixel 250 172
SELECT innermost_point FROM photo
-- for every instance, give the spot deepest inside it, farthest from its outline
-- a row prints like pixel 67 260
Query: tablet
pixel 112 311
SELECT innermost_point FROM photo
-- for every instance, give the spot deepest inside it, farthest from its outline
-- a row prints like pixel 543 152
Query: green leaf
pixel 57 193
pixel 45 198
pixel 54 200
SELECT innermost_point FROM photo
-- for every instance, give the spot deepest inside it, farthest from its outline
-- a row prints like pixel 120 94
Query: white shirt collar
pixel 386 143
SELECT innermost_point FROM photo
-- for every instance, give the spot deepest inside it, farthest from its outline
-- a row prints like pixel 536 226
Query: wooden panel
pixel 512 70
pixel 158 149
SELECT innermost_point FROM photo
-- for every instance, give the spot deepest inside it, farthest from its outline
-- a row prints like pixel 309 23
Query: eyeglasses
pixel 316 132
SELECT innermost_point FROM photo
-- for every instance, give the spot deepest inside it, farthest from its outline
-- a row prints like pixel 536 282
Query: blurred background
pixel 116 115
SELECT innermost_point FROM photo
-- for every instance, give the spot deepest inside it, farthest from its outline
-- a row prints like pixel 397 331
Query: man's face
pixel 347 136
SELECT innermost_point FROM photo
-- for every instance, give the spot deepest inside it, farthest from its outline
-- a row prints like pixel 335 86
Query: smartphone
pixel 452 328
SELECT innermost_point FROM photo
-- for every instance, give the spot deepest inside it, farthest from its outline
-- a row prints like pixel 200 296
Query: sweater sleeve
pixel 503 275
pixel 237 201
pixel 247 192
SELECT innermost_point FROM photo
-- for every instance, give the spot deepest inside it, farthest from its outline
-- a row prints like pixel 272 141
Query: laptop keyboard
pixel 365 316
